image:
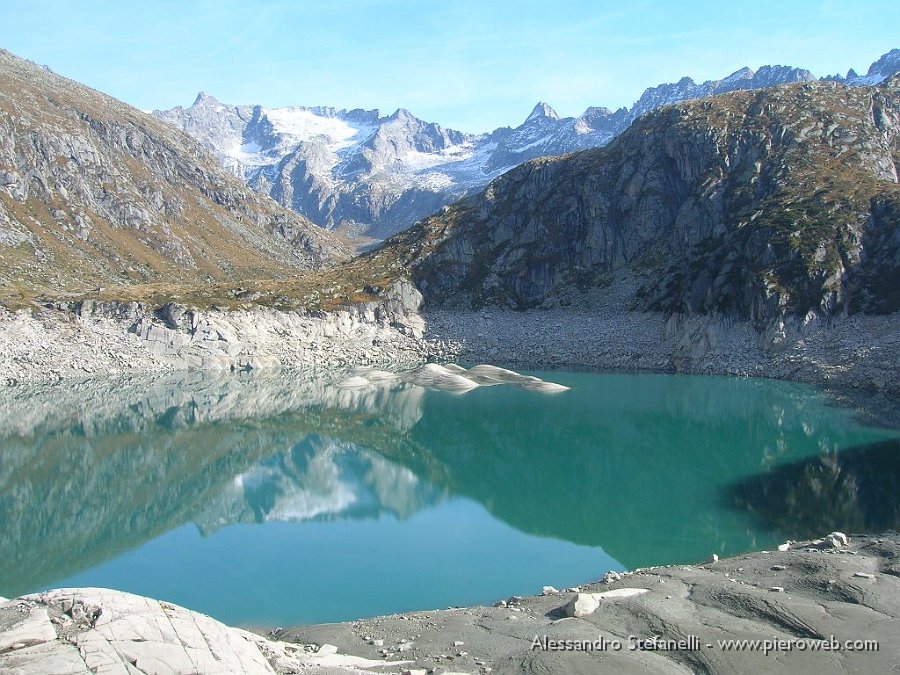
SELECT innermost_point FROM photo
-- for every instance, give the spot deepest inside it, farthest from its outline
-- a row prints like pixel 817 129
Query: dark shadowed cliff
pixel 752 205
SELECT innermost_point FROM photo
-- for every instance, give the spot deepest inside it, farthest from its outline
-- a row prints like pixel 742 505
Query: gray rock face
pixel 93 190
pixel 686 89
pixel 752 205
pixel 90 630
pixel 886 66
pixel 118 337
pixel 373 175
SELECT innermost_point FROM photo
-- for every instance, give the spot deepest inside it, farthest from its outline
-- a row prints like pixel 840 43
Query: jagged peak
pixel 889 60
pixel 542 111
pixel 744 73
pixel 404 115
pixel 205 99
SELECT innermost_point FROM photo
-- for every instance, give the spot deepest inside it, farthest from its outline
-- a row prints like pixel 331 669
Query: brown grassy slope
pixel 94 193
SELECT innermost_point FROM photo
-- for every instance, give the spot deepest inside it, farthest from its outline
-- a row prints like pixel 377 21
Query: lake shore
pixel 809 607
pixel 810 592
pixel 855 358
pixel 860 352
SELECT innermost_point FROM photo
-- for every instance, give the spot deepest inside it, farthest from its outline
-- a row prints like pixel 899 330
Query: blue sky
pixel 469 65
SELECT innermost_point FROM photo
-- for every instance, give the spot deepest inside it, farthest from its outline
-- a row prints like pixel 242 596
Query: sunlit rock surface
pixel 450 377
pixel 94 630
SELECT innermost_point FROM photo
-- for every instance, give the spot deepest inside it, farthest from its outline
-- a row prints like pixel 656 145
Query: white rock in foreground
pixel 79 631
pixel 585 604
pixel 582 604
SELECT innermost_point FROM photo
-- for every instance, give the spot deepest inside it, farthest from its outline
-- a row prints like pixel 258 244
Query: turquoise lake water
pixel 272 500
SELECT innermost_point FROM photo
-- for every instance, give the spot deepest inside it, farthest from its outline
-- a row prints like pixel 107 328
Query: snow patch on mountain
pixel 376 175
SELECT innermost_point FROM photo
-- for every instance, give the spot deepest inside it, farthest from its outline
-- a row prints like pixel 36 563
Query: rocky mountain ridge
pixel 753 205
pixel 366 174
pixel 94 192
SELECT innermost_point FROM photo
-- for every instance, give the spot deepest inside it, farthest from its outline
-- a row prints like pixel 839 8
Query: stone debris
pixel 858 351
pixel 688 600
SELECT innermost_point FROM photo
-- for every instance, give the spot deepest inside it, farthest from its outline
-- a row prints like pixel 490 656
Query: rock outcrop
pixel 809 607
pixel 88 630
pixel 66 339
pixel 752 206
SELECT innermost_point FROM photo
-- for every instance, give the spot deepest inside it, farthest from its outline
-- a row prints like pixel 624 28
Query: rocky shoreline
pixel 854 360
pixel 860 352
pixel 807 594
pixel 663 620
pixel 63 340
pixel 829 605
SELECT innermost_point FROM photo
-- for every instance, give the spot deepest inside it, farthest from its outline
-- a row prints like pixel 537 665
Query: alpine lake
pixel 273 499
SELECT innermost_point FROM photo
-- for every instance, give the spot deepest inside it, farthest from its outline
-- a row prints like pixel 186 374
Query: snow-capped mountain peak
pixel 364 173
pixel 542 111
pixel 737 76
pixel 204 99
pixel 879 71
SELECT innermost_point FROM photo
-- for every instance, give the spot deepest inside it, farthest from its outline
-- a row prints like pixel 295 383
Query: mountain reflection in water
pixel 853 490
pixel 623 470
